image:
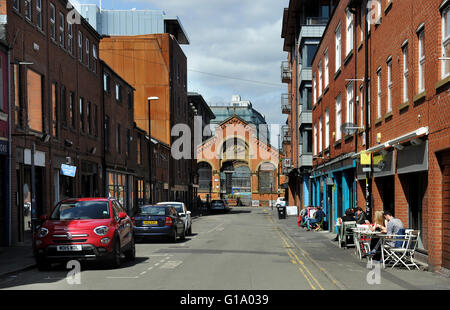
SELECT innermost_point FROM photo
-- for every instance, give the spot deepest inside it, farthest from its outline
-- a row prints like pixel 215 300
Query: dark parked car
pixel 85 229
pixel 158 221
pixel 219 205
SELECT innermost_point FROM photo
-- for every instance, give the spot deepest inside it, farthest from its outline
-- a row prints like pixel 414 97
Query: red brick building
pixel 407 123
pixel 57 104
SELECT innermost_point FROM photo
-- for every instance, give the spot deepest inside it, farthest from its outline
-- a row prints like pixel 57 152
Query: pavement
pixel 343 267
pixel 331 267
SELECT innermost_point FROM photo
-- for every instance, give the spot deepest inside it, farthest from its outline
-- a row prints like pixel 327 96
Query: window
pixel 52 21
pixel 81 114
pixel 88 58
pixel 405 73
pixel 315 139
pixel 63 109
pixel 128 142
pixel 338 48
pixel 308 98
pixel 34 104
pixel 80 46
pixel 130 99
pixel 106 83
pixel 118 139
pixel 320 79
pixel 95 58
pixel 308 54
pixel 350 107
pixel 361 23
pixel 28 10
pixel 107 137
pixel 95 121
pixel 72 110
pixel 349 34
pixel 327 128
pixel 39 14
pixel 379 93
pixel 361 106
pixel 421 59
pixel 61 29
pixel 327 71
pixel 338 118
pixel 88 116
pixel 320 134
pixel 70 38
pixel 314 90
pixel 54 95
pixel 16 5
pixel 446 42
pixel 17 103
pixel 139 150
pixel 118 92
pixel 389 86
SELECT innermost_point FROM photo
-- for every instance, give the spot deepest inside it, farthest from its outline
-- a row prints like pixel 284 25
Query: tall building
pixel 390 81
pixel 5 211
pixel 303 25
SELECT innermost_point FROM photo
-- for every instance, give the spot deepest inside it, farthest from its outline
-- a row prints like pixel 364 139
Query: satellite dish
pixel 349 129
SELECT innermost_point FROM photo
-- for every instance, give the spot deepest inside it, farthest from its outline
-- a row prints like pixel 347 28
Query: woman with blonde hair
pixel 379 221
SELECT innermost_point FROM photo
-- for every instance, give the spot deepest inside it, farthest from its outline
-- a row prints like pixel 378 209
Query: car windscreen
pixel 153 210
pixel 81 210
pixel 217 202
pixel 177 207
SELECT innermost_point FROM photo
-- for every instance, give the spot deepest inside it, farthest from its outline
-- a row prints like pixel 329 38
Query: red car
pixel 85 229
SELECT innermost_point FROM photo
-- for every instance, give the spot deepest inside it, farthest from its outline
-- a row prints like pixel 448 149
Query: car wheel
pixel 115 259
pixel 174 237
pixel 130 255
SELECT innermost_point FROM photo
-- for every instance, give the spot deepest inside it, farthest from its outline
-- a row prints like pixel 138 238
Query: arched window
pixel 267 178
pixel 204 177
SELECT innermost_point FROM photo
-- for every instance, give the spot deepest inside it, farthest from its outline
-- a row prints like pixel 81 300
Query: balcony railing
pixel 286 74
pixel 310 21
pixel 285 104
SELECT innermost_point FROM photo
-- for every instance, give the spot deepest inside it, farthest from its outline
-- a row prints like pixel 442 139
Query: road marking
pixel 171 265
pixel 122 277
pixel 303 269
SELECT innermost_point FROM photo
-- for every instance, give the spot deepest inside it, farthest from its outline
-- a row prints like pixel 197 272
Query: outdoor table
pixel 358 233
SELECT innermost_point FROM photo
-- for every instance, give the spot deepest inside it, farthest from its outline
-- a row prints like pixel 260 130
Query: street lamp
pixel 149 99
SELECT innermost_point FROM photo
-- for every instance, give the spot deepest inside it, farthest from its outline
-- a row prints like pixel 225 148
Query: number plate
pixel 150 222
pixel 68 248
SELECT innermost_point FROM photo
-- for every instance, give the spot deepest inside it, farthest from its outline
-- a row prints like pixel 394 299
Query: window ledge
pixel 327 150
pixel 361 131
pixel 360 45
pixel 388 116
pixel 403 106
pixel 388 8
pixel 337 73
pixel 337 143
pixel 348 138
pixel 443 84
pixel 419 97
pixel 319 100
pixel 349 56
pixel 326 89
pixel 378 121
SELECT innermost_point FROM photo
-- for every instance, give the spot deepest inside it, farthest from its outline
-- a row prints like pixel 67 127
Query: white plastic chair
pixel 404 255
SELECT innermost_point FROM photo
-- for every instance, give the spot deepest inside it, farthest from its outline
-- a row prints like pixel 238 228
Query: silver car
pixel 184 214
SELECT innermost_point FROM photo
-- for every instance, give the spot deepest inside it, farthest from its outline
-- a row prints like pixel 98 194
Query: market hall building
pixel 234 164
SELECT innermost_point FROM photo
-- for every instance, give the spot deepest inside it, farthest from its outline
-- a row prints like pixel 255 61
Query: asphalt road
pixel 241 250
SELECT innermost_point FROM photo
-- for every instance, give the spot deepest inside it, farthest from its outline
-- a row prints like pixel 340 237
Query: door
pixel 445 164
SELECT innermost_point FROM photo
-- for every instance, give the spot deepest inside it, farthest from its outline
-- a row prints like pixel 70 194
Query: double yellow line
pixel 295 260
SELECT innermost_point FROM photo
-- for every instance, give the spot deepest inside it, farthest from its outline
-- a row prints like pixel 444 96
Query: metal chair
pixel 346 234
pixel 403 253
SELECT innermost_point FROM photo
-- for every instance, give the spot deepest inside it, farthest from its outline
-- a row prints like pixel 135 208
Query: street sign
pixel 69 171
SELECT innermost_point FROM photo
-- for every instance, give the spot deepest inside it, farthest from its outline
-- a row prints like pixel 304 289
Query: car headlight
pixel 43 232
pixel 101 230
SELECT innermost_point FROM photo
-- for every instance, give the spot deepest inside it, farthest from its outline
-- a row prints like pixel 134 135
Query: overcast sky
pixel 239 39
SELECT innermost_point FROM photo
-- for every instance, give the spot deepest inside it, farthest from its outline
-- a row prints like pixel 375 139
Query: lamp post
pixel 149 99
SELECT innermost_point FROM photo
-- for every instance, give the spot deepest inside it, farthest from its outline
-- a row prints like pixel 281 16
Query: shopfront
pixel 121 187
pixel 384 175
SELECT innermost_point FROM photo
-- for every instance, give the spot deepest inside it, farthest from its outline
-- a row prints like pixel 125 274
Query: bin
pixel 281 212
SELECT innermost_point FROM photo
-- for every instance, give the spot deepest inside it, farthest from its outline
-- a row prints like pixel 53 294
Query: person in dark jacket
pixel 348 217
pixel 360 216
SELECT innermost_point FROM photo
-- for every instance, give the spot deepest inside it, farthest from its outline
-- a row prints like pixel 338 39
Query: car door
pixel 123 226
pixel 178 222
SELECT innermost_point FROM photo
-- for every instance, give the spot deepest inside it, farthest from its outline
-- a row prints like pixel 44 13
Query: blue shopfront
pixel 334 188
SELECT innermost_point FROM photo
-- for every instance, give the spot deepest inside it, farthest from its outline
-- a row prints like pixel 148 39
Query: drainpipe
pixel 366 100
pixel 9 186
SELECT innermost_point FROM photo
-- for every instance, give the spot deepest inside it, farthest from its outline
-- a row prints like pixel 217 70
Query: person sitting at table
pixel 318 216
pixel 360 216
pixel 394 227
pixel 377 226
pixel 348 217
